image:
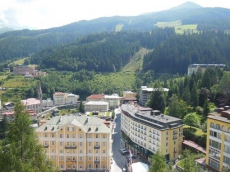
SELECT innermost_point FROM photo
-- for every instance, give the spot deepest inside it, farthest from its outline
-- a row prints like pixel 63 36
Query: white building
pixel 113 100
pixel 32 103
pixel 71 98
pixel 47 103
pixel 145 93
pixel 96 106
pixel 64 98
pixel 193 68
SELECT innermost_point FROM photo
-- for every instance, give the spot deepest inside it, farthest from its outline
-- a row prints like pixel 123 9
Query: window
pixel 166 138
pixel 74 158
pixel 103 150
pixel 226 160
pixel 214 144
pixel 52 134
pixel 60 135
pixel 103 158
pixel 67 135
pixel 96 151
pixel 80 143
pixel 103 166
pixel 60 143
pixel 73 143
pixel 68 166
pixel 52 157
pixel 73 150
pixel 80 159
pixel 61 151
pixel 167 144
pixel 166 150
pixel 214 154
pixel 89 165
pixel 214 164
pixel 103 135
pixel 89 135
pixel 80 135
pixel 89 143
pixel 89 150
pixel 103 143
pixel 61 157
pixel 89 158
pixel 80 166
pixel 167 133
pixel 61 165
pixel 52 150
pixel 46 143
pixel 73 135
pixel 174 142
pixel 80 150
pixel 67 144
pixel 52 142
pixel 74 166
pixel 97 136
pixel 45 134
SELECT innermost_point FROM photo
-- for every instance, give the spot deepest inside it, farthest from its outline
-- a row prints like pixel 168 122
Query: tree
pixel 20 150
pixel 156 100
pixel 204 94
pixel 194 96
pixel 81 107
pixel 206 109
pixel 177 108
pixel 189 164
pixel 158 162
pixel 186 95
pixel 206 80
pixel 191 120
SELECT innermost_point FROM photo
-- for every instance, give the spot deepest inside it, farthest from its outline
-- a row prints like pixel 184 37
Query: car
pixel 124 170
pixel 133 157
pixel 124 152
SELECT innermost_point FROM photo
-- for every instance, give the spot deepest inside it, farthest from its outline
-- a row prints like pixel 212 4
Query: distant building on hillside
pixel 145 93
pixel 23 70
pixel 100 106
pixel 193 68
pixel 96 97
pixel 32 103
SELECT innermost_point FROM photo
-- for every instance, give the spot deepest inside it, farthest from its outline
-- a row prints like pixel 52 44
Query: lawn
pixel 168 24
pixel 18 81
pixel 190 28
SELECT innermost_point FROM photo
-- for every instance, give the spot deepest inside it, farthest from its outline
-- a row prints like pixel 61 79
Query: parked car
pixel 133 157
pixel 124 170
pixel 124 152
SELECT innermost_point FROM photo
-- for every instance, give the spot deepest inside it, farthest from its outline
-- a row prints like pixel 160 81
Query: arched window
pixel 223 128
pixel 218 126
pixel 212 125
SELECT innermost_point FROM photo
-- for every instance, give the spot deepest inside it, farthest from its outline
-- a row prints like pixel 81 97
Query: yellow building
pixel 77 143
pixel 144 131
pixel 218 140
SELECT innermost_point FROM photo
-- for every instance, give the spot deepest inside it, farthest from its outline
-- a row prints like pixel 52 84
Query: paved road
pixel 119 160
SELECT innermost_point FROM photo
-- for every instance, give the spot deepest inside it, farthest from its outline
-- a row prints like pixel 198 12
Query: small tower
pixel 40 94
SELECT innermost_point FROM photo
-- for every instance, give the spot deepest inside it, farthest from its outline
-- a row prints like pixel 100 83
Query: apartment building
pixel 144 131
pixel 146 92
pixel 95 97
pixel 113 100
pixel 32 103
pixel 77 143
pixel 218 140
pixel 100 106
pixel 193 68
pixel 61 98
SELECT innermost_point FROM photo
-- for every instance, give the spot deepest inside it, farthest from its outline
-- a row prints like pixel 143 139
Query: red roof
pixel 194 145
pixel 96 96
pixel 9 113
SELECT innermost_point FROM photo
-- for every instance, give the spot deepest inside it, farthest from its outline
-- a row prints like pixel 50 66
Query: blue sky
pixel 41 14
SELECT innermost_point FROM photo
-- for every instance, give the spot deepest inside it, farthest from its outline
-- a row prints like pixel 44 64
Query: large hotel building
pixel 144 131
pixel 77 143
pixel 218 140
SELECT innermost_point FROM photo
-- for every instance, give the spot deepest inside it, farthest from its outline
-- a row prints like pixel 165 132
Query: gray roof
pixel 86 123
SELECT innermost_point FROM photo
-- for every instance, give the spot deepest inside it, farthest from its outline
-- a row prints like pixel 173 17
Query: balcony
pixel 46 146
pixel 70 147
pixel 97 162
pixel 96 147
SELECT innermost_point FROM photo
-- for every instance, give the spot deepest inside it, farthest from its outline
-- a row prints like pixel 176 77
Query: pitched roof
pixel 96 96
pixel 87 124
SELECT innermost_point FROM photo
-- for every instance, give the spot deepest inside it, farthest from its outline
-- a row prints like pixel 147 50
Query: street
pixel 119 160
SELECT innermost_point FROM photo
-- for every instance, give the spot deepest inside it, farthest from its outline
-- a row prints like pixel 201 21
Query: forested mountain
pixel 105 52
pixel 23 43
pixel 178 52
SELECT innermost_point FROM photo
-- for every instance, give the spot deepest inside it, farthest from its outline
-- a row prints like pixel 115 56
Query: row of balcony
pixel 72 147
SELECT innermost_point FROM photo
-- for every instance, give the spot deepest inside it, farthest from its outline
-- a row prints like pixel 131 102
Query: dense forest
pixel 179 51
pixel 106 52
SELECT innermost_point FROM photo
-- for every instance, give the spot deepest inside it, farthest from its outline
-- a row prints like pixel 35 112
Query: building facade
pixel 100 106
pixel 145 131
pixel 193 68
pixel 146 92
pixel 129 94
pixel 32 103
pixel 113 100
pixel 77 143
pixel 61 98
pixel 218 140
pixel 24 70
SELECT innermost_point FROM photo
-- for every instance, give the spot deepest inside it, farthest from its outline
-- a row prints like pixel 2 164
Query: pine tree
pixel 206 109
pixel 20 150
pixel 186 95
pixel 81 107
pixel 194 96
pixel 158 162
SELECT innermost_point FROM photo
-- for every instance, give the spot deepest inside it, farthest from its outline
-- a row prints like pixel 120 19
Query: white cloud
pixel 50 13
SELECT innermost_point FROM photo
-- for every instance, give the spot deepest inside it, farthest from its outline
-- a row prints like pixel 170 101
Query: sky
pixel 42 14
